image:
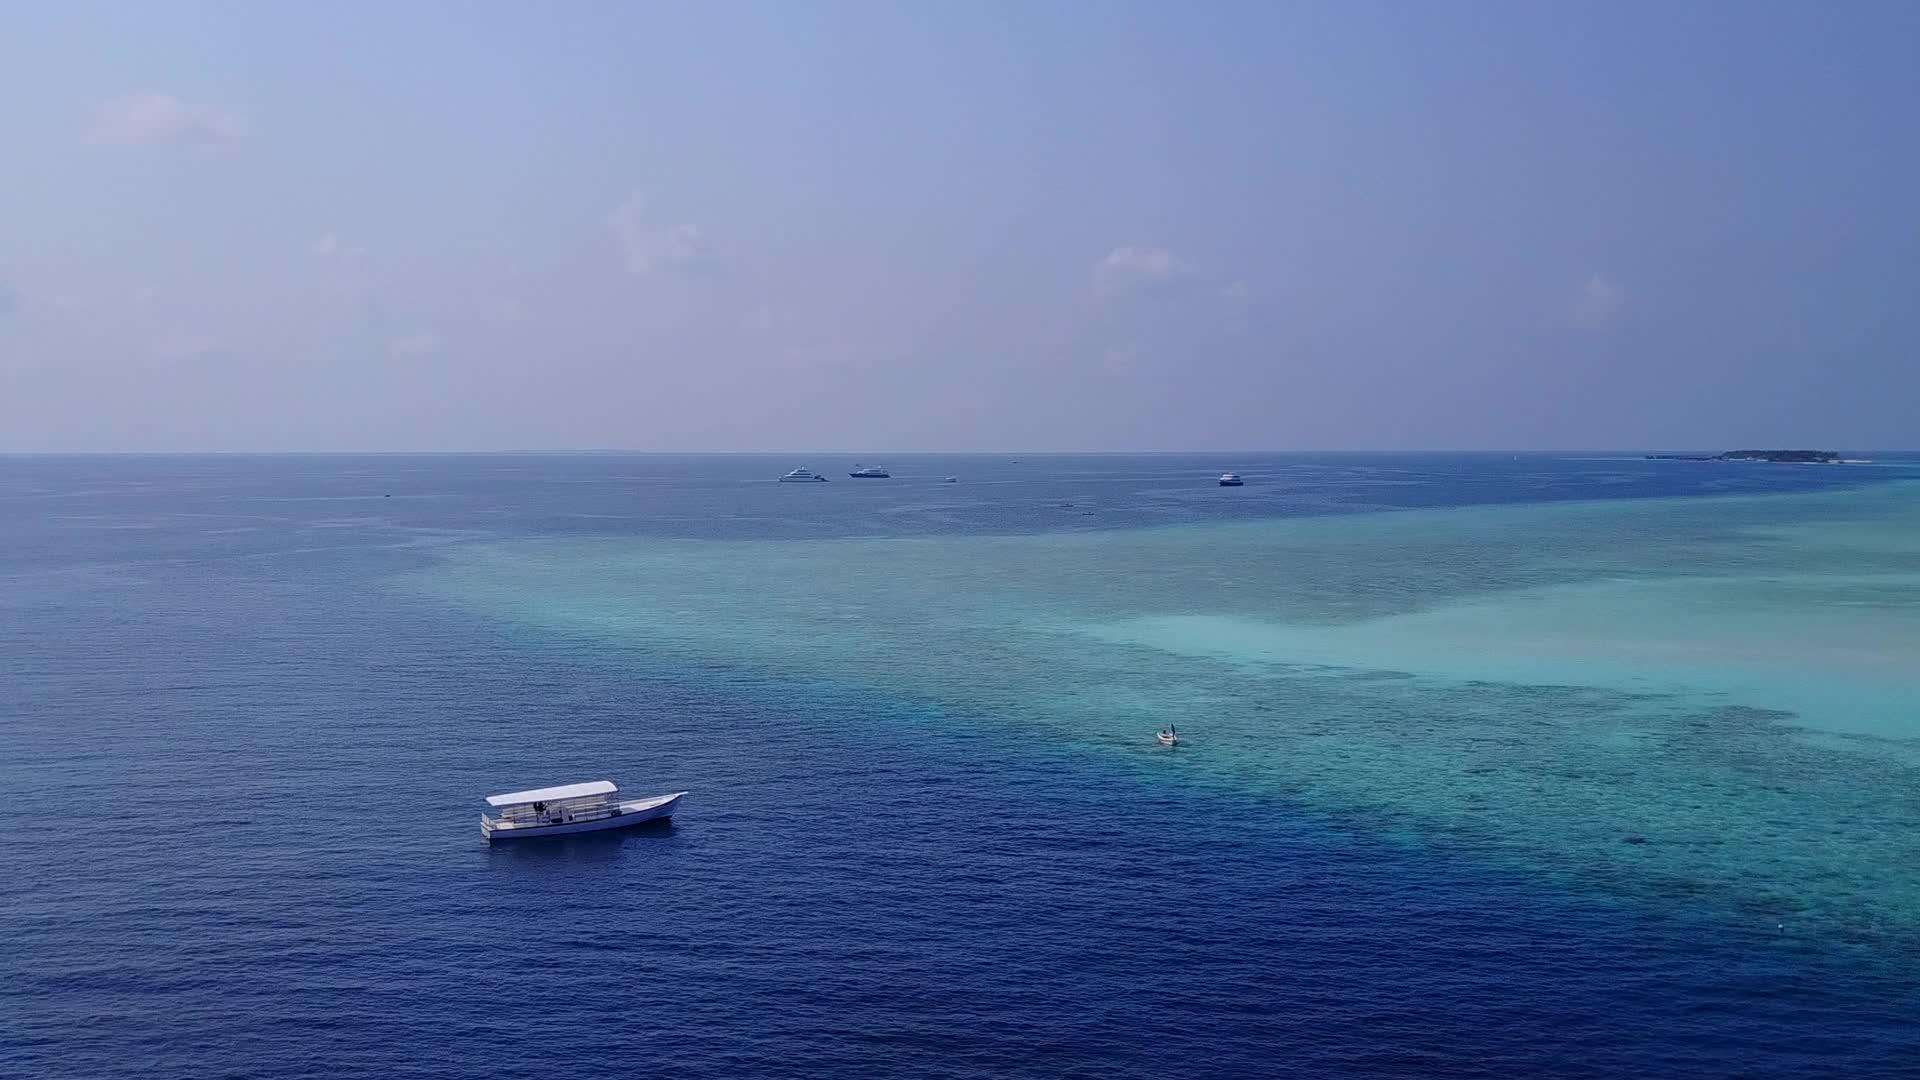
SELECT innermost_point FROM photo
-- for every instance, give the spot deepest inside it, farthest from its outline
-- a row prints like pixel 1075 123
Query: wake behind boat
pixel 568 809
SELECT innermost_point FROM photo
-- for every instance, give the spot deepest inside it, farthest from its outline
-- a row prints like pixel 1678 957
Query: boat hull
pixel 632 812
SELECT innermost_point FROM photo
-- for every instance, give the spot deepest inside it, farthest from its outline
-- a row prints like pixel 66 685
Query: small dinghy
pixel 1168 737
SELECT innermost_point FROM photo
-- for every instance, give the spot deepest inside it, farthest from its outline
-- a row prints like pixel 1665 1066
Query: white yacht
pixel 802 476
pixel 568 809
pixel 870 472
pixel 1231 479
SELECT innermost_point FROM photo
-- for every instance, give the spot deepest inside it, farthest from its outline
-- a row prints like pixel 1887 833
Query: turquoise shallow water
pixel 1713 699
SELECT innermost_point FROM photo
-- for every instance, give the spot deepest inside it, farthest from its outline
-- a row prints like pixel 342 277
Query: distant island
pixel 1791 457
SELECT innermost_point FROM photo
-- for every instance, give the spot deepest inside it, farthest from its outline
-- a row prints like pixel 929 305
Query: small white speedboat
pixel 571 808
pixel 1168 738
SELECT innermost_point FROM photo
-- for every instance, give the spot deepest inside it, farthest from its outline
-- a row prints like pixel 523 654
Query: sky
pixel 918 226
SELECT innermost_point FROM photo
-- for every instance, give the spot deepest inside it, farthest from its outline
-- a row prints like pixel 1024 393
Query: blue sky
pixel 917 226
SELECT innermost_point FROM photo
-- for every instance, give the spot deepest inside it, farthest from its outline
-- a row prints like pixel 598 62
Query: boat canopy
pixel 554 794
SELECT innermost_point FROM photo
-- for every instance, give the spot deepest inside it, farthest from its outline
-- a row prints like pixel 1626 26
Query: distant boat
pixel 1231 479
pixel 571 808
pixel 870 472
pixel 1168 737
pixel 951 480
pixel 802 476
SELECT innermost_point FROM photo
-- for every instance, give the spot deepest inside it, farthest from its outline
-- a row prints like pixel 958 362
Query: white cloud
pixel 769 322
pixel 1122 359
pixel 413 345
pixel 816 356
pixel 182 347
pixel 1138 269
pixel 330 246
pixel 143 119
pixel 18 300
pixel 651 247
pixel 1596 303
pixel 1234 306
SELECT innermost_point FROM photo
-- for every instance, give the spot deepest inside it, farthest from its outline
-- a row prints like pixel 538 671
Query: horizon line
pixel 610 451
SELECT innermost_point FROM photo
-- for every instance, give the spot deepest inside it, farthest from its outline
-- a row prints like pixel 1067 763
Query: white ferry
pixel 802 476
pixel 568 809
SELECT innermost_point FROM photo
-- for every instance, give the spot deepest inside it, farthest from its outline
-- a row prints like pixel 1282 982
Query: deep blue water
pixel 241 772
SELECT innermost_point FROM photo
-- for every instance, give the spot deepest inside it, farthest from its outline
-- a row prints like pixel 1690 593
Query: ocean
pixel 1492 766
